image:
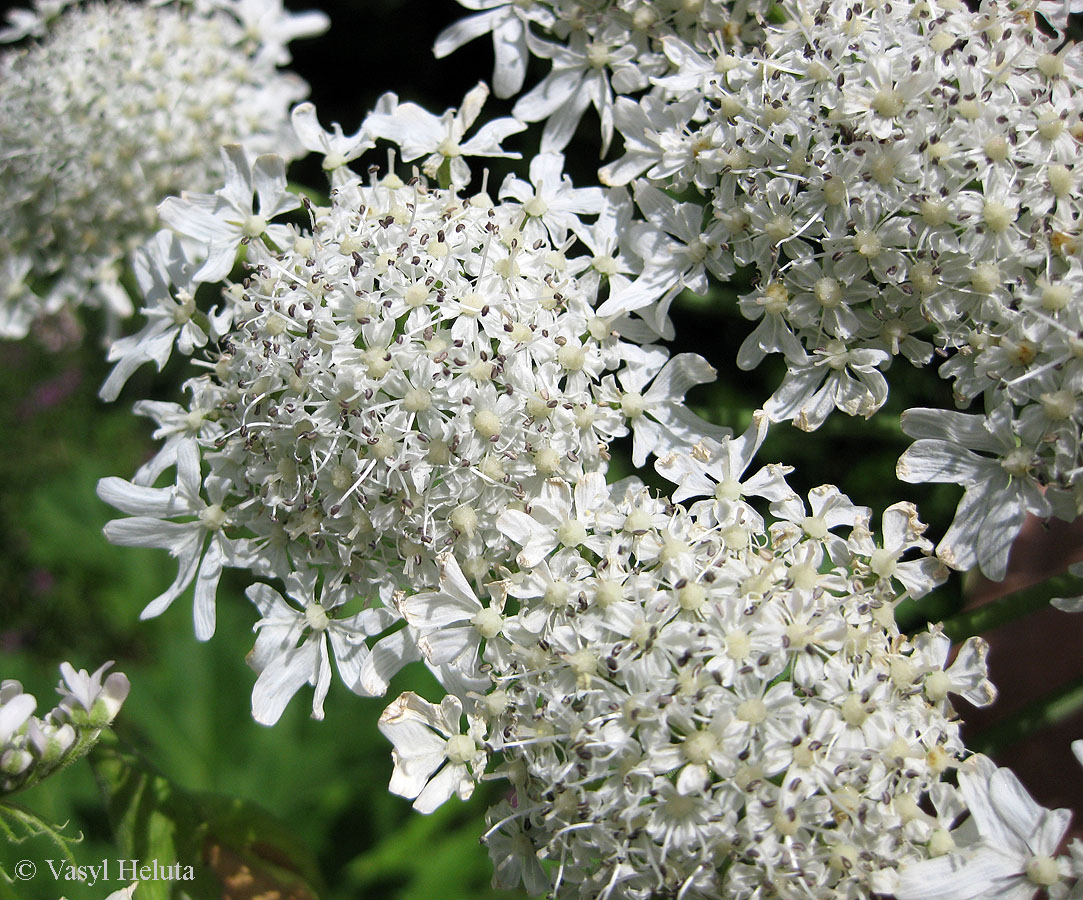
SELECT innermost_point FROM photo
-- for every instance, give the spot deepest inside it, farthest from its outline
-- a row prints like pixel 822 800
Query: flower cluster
pixel 692 702
pixel 901 180
pixel 31 748
pixel 390 378
pixel 597 49
pixel 108 108
pixel 901 177
pixel 402 412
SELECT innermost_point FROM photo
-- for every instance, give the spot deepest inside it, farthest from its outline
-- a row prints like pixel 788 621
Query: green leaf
pixel 151 821
pixel 18 824
pixel 235 849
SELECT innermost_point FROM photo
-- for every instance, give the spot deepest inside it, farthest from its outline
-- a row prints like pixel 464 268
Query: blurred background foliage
pixel 66 594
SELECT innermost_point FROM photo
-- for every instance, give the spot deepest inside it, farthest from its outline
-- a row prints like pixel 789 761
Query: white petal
pixel 210 572
pixel 447 782
pixel 278 682
pixel 220 258
pixel 944 424
pixel 387 657
pixel 678 376
pixel 1037 827
pixel 269 179
pixel 143 531
pixel 13 714
pixel 462 32
pixel 509 46
pixel 136 500
pixel 447 644
pixel 307 127
pixel 940 461
pixel 955 877
pixel 350 657
pixel 434 609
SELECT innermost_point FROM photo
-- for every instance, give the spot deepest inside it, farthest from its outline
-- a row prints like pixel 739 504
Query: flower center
pixel 316 617
pixel 460 749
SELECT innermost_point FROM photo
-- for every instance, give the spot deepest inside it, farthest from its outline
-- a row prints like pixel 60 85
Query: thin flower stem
pixel 1009 608
pixel 1054 707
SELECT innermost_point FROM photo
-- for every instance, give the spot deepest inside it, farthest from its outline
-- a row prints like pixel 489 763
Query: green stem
pixel 202 321
pixel 1054 707
pixel 1009 608
pixel 443 174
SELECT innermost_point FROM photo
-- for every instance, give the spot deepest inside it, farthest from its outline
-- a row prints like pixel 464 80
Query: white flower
pixel 557 516
pixel 86 699
pixel 1000 489
pixel 293 643
pixel 15 708
pixel 886 206
pixel 223 221
pixel 714 468
pixel 677 251
pixel 966 676
pixel 452 622
pixel 420 133
pixel 337 149
pixel 902 532
pixel 268 23
pixel 659 420
pixel 198 542
pixel 514 859
pixel 1013 858
pixel 834 377
pixel 167 280
pixel 32 748
pixel 433 758
pixel 550 197
pixel 579 78
pixel 140 120
pixel 507 20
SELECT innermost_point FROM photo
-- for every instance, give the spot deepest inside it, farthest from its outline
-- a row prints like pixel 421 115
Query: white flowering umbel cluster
pixel 31 748
pixel 691 703
pixel 107 108
pixel 902 180
pixel 401 414
pixel 392 377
